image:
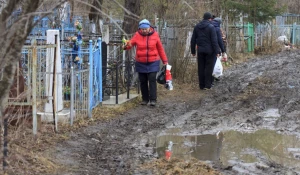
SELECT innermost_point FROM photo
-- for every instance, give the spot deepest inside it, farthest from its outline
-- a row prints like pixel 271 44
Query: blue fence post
pixel 90 86
pixel 72 96
pixel 80 56
pixel 62 53
pixel 100 69
pixel 294 33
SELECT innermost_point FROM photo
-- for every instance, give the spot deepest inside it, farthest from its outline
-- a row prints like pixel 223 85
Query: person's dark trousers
pixel 213 78
pixel 148 86
pixel 205 69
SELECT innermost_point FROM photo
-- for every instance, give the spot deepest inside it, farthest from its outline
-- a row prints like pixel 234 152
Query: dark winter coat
pixel 205 36
pixel 149 51
pixel 219 35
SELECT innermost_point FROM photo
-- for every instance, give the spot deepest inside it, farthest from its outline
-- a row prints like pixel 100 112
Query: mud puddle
pixel 243 152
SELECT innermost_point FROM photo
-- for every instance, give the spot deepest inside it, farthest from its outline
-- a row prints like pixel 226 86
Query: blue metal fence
pixel 83 79
pixel 91 55
pixel 95 78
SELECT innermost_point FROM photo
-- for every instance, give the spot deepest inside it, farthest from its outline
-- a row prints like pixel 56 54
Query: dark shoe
pixel 144 103
pixel 217 79
pixel 152 103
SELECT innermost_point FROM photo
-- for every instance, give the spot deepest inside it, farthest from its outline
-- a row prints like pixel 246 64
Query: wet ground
pixel 247 124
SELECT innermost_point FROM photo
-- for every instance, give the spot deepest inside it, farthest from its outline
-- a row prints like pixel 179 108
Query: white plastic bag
pixel 218 69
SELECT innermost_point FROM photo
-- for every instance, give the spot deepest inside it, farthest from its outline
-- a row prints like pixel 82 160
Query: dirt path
pixel 255 107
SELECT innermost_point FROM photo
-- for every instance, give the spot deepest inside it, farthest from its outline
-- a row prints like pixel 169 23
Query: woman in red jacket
pixel 149 51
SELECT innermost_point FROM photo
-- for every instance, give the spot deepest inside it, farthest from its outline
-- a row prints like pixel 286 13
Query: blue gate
pixel 95 78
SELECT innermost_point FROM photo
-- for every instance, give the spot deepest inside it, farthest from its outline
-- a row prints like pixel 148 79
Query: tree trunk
pixel 130 24
pixel 10 51
pixel 12 42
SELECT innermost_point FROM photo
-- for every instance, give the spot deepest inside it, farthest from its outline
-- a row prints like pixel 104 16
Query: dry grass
pixel 26 152
pixel 179 167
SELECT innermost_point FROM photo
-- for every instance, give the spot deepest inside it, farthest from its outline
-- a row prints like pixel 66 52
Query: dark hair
pixel 207 15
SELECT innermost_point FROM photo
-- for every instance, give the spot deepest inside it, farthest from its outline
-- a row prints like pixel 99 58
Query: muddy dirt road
pixel 247 124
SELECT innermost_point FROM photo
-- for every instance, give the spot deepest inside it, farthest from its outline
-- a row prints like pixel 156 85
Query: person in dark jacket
pixel 149 52
pixel 217 22
pixel 205 37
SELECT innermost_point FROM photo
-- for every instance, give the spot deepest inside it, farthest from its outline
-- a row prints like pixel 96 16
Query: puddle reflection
pixel 233 145
pixel 202 147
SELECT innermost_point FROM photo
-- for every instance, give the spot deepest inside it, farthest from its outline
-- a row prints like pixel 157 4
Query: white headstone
pixel 49 75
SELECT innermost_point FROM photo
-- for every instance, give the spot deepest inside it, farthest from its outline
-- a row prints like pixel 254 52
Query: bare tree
pixel 13 35
pixel 130 24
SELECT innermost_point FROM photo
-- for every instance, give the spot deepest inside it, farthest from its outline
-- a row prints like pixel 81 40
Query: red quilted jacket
pixel 149 47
